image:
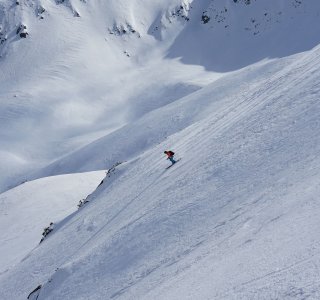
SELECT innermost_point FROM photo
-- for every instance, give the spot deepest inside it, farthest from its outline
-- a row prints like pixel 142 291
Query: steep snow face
pixel 233 34
pixel 236 218
pixel 156 126
pixel 90 84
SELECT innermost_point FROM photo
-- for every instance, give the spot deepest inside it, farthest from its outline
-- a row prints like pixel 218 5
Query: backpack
pixel 171 153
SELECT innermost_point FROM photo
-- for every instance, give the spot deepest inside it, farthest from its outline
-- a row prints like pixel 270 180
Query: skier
pixel 170 156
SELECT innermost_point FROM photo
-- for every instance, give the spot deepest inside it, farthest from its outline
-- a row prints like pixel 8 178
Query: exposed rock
pixel 35 293
pixel 205 19
pixel 123 29
pixel 3 36
pixel 83 202
pixel 21 28
pixel 24 34
pixel 40 11
pixel 46 231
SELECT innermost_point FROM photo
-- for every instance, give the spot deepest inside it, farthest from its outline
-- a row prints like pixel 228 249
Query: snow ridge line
pixel 69 258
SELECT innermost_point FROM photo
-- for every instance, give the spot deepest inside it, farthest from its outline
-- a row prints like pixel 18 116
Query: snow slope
pixel 232 88
pixel 71 81
pixel 233 35
pixel 236 218
pixel 87 69
pixel 27 209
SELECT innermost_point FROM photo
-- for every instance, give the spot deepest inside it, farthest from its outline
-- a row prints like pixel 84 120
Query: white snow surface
pixel 236 98
pixel 32 206
pixel 76 79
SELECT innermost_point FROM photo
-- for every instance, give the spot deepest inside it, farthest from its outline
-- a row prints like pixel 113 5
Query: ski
pixel 173 164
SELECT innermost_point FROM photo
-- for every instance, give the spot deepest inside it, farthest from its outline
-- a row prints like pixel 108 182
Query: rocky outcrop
pixel 22 31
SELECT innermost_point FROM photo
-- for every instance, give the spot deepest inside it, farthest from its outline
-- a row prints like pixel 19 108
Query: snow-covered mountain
pixel 88 68
pixel 231 86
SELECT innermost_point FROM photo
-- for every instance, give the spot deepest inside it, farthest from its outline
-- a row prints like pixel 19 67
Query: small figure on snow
pixel 170 155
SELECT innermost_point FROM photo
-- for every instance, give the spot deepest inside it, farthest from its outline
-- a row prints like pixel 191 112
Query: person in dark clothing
pixel 170 155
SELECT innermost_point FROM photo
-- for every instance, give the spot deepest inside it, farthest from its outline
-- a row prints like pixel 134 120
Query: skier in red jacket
pixel 170 155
